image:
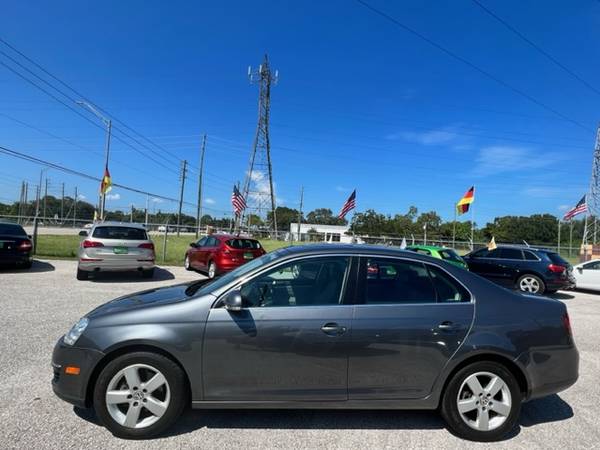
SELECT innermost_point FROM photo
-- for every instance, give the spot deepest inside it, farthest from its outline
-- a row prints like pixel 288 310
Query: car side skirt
pixel 423 403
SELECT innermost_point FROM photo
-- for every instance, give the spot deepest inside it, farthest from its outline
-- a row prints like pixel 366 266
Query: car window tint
pixel 594 265
pixel 243 243
pixel 530 256
pixel 12 229
pixel 211 242
pixel 493 253
pixel 306 282
pixel 117 232
pixel 557 259
pixel 421 250
pixel 450 255
pixel 447 288
pixel 202 242
pixel 511 253
pixel 397 281
pixel 482 253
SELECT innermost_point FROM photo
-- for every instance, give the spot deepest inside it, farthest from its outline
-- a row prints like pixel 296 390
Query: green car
pixel 447 254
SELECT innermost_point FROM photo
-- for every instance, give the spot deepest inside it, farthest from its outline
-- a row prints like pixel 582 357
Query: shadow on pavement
pixel 562 295
pixel 160 274
pixel 544 410
pixel 37 266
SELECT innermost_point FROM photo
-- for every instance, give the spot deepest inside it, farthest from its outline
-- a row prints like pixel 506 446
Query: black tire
pixel 449 406
pixel 178 394
pixel 82 275
pixel 148 273
pixel 542 285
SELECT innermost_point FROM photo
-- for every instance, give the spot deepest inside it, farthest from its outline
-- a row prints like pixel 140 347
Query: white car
pixel 587 275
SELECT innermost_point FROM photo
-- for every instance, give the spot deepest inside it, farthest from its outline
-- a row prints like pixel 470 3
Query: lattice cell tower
pixel 593 199
pixel 258 186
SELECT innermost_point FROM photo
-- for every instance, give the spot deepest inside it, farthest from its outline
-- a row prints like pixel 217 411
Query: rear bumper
pixel 107 265
pixel 550 369
pixel 15 258
pixel 73 388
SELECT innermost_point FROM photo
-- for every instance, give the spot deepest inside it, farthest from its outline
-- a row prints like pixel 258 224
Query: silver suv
pixel 115 247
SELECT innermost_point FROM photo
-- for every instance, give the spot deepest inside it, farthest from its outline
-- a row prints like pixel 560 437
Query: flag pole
pixel 454 229
pixel 558 240
pixel 472 227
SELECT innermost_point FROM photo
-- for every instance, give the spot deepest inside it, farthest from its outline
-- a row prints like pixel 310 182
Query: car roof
pixel 325 249
pixel 227 236
pixel 120 224
pixel 525 247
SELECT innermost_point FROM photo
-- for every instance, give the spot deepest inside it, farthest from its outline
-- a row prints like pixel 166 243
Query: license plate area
pixel 248 255
pixel 120 250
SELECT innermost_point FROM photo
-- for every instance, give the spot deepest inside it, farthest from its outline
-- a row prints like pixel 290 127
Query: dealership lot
pixel 38 306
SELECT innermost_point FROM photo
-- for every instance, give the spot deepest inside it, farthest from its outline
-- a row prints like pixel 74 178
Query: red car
pixel 221 253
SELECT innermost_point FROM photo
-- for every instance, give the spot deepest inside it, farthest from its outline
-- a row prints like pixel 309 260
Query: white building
pixel 323 233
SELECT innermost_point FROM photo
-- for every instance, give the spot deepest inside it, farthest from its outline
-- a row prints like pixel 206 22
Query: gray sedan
pixel 334 326
pixel 115 247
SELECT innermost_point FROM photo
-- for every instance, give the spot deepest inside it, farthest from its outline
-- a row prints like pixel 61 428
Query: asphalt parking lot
pixel 38 306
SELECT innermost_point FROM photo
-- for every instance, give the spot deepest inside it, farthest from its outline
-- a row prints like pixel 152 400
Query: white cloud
pixel 437 136
pixel 259 189
pixel 342 189
pixel 80 197
pixel 563 207
pixel 209 201
pixel 157 200
pixel 115 196
pixel 503 158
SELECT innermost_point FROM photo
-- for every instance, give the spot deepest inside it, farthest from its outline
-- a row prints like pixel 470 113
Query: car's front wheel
pixel 531 284
pixel 212 270
pixel 139 395
pixel 482 402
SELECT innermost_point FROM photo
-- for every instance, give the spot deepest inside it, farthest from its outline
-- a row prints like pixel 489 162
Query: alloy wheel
pixel 529 284
pixel 484 401
pixel 212 270
pixel 137 396
pixel 186 262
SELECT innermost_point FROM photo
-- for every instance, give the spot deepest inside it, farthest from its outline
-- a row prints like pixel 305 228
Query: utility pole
pixel 45 197
pixel 25 204
pixel 260 171
pixel 199 209
pixel 147 204
pixel 108 124
pixel 75 207
pixel 183 173
pixel 300 212
pixel 20 211
pixel 62 203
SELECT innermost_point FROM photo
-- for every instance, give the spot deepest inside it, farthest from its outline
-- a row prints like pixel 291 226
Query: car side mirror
pixel 193 245
pixel 580 269
pixel 83 233
pixel 233 300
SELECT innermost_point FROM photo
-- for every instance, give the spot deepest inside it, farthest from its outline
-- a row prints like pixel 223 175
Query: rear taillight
pixel 555 268
pixel 89 244
pixel 148 245
pixel 567 323
pixel 25 246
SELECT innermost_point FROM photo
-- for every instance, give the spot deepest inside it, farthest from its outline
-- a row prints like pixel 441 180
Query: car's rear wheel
pixel 140 395
pixel 186 263
pixel 82 274
pixel 531 284
pixel 482 402
pixel 212 270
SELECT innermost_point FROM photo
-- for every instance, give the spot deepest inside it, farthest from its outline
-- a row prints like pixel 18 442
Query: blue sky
pixel 360 103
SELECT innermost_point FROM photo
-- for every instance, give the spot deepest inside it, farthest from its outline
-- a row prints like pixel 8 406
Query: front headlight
pixel 75 332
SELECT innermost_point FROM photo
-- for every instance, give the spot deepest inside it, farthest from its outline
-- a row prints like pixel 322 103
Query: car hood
pixel 149 298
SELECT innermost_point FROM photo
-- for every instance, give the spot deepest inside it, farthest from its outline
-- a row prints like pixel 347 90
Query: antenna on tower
pixel 258 186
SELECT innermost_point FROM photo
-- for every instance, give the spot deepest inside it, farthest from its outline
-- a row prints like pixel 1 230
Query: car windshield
pixel 128 233
pixel 217 283
pixel 243 243
pixel 12 229
pixel 450 255
pixel 557 259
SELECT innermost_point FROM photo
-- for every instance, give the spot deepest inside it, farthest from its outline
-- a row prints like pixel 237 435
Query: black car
pixel 320 326
pixel 531 270
pixel 15 246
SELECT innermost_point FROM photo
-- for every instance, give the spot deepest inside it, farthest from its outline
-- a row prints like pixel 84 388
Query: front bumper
pixel 73 388
pixel 550 369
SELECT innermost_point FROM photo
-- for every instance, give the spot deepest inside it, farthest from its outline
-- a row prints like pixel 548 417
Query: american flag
pixel 349 205
pixel 238 201
pixel 579 208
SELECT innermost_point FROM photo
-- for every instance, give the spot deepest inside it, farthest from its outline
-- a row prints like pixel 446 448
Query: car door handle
pixel 333 329
pixel 448 326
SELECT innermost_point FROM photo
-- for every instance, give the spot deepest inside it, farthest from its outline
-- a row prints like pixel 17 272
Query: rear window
pixel 12 228
pixel 557 259
pixel 243 243
pixel 127 233
pixel 450 255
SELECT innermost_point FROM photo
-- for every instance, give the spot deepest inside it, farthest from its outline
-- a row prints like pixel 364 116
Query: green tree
pixel 324 216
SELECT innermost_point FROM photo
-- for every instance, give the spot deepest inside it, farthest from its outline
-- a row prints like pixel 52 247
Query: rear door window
pixel 530 256
pixel 511 253
pixel 118 232
pixel 447 288
pixel 557 259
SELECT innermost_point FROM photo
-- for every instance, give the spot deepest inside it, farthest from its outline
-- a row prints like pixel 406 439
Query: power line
pixel 535 46
pixel 472 65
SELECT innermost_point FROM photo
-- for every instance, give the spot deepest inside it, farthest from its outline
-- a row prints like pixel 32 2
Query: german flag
pixel 106 184
pixel 463 204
